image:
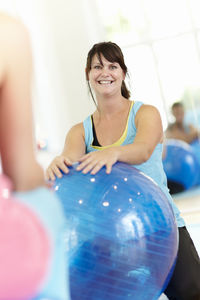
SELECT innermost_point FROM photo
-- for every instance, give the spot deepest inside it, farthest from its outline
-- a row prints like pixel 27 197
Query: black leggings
pixel 175 187
pixel 185 281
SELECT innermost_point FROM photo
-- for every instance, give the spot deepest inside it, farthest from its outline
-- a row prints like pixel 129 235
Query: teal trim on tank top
pixel 152 168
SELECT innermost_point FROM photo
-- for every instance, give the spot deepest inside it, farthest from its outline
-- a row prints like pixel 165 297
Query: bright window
pixel 161 44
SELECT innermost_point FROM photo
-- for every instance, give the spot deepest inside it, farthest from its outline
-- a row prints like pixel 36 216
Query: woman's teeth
pixel 105 81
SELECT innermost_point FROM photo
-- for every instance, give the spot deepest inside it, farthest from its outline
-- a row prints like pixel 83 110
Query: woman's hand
pixel 59 163
pixel 94 161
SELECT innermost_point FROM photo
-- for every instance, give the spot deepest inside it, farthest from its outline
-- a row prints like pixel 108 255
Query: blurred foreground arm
pixel 16 131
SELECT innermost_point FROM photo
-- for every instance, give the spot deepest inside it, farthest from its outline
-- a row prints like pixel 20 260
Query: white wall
pixel 62 32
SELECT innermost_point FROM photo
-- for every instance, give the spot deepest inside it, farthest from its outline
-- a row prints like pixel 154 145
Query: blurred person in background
pixel 179 129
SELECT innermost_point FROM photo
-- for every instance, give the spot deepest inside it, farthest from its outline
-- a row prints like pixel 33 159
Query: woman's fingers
pixel 109 168
pixel 58 165
pixel 97 167
pixel 90 165
pixel 84 157
pixel 50 175
pixel 61 166
pixel 84 162
pixel 67 161
pixel 57 171
pixel 94 161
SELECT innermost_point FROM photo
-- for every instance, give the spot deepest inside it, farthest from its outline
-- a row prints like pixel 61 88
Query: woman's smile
pixel 105 82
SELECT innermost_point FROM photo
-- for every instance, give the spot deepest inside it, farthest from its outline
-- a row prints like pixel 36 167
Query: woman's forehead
pixel 101 59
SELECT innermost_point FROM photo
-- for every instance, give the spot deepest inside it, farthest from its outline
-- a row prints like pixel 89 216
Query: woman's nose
pixel 105 72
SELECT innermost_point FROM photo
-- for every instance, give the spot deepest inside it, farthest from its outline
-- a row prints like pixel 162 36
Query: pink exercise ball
pixel 24 248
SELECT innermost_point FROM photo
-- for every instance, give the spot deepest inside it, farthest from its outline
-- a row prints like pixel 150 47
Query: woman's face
pixel 178 113
pixel 105 79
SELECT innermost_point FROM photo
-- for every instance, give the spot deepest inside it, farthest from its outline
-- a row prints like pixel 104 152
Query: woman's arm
pixel 149 134
pixel 16 132
pixel 74 149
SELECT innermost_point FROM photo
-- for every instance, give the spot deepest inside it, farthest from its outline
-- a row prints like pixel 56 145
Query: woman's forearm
pixel 134 154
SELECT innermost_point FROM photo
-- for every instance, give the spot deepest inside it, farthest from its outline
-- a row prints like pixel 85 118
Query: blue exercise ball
pixel 180 163
pixel 196 149
pixel 122 242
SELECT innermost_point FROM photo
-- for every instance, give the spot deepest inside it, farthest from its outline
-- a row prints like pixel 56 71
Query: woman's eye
pixel 97 67
pixel 113 67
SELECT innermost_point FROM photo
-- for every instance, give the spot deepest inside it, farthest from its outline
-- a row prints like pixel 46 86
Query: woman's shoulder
pixel 137 104
pixel 147 112
pixel 145 108
pixel 77 128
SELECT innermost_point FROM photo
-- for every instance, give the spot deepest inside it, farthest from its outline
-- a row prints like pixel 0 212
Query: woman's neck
pixel 109 106
pixel 179 125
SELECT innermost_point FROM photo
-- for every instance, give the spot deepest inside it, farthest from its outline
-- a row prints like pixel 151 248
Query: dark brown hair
pixel 177 104
pixel 112 53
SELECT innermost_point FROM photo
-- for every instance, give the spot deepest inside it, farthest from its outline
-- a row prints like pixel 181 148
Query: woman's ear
pixel 86 74
pixel 124 75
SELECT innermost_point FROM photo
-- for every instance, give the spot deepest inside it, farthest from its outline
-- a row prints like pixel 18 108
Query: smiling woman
pixel 127 131
pixel 105 66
